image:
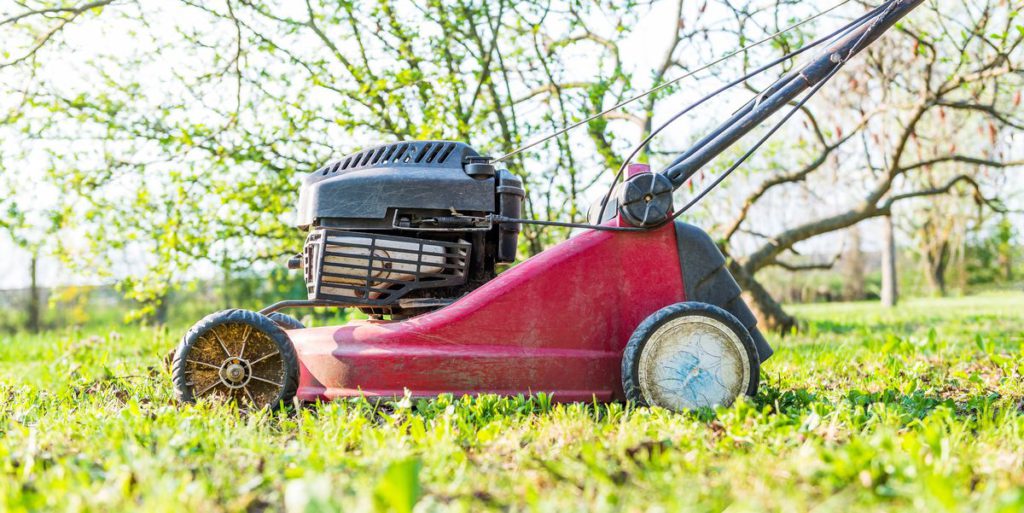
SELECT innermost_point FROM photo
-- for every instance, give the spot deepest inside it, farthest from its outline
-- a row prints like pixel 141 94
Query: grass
pixel 913 409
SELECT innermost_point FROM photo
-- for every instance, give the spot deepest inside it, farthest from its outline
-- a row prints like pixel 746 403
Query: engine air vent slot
pixel 369 269
pixel 423 152
pixel 400 153
pixel 433 153
pixel 444 154
pixel 428 153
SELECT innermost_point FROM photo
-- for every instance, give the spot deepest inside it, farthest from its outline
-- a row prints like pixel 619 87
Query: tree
pixel 887 109
pixel 1005 235
pixel 198 132
pixel 853 266
pixel 890 287
pixel 27 237
pixel 939 231
pixel 182 146
pixel 989 251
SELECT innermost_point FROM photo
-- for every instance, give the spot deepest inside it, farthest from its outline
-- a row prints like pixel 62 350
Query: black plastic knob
pixel 479 167
pixel 645 199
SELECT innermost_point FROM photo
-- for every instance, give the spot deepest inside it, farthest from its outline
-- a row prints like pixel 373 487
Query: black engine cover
pixel 412 175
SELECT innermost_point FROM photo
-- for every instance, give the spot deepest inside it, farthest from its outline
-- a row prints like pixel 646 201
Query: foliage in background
pixel 991 257
pixel 994 257
pixel 926 116
pixel 99 307
pixel 168 139
pixel 188 145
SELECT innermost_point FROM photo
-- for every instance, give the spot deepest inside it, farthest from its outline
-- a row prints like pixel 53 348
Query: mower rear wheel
pixel 236 356
pixel 688 356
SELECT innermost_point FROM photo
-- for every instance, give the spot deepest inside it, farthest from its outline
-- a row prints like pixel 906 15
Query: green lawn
pixel 916 409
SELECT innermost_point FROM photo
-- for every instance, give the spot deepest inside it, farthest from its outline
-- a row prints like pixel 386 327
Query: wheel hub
pixel 693 362
pixel 235 372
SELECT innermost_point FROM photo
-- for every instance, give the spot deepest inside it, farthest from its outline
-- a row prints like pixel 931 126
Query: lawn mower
pixel 638 306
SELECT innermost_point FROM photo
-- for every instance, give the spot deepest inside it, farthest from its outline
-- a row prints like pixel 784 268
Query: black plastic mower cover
pixel 707 280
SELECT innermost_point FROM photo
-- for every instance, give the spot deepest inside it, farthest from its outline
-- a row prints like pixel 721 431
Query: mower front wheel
pixel 236 356
pixel 688 356
pixel 286 321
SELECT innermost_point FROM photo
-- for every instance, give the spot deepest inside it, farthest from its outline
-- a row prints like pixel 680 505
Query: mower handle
pixel 785 90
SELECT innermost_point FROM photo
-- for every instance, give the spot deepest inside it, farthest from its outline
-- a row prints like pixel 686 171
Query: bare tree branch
pixel 813 266
pixel 74 11
pixel 63 21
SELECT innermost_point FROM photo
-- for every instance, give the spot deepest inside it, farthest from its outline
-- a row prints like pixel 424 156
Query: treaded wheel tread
pixel 286 321
pixel 631 354
pixel 258 321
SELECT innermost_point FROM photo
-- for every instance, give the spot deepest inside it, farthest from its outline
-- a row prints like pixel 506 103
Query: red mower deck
pixel 549 324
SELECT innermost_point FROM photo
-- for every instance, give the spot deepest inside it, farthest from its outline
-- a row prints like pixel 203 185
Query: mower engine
pixel 403 228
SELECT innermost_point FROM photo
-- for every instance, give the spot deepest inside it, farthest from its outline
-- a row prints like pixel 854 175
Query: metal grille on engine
pixel 369 269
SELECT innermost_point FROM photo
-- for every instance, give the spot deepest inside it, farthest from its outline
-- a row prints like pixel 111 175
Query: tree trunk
pixel 160 315
pixel 161 307
pixel 890 292
pixel 34 299
pixel 1004 260
pixel 939 279
pixel 1005 248
pixel 853 267
pixel 935 267
pixel 769 313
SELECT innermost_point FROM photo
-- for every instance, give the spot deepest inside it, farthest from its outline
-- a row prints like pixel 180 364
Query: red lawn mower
pixel 638 306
